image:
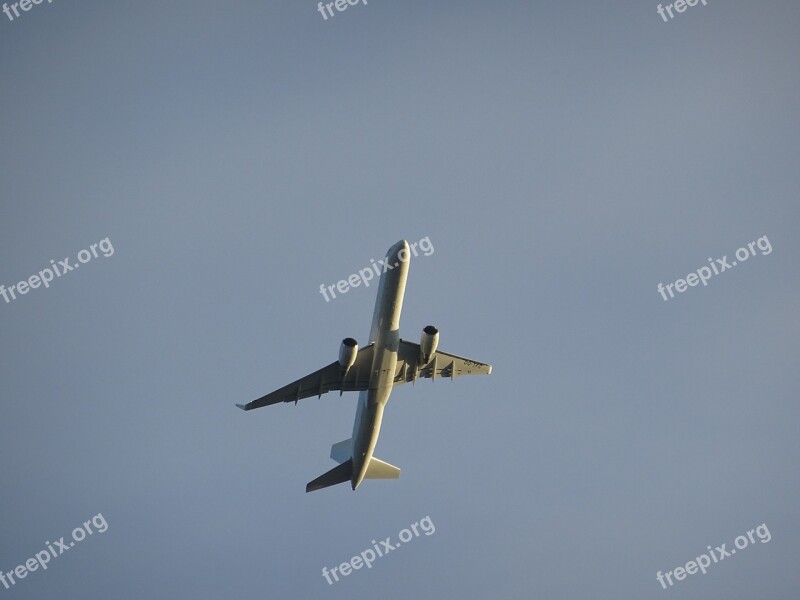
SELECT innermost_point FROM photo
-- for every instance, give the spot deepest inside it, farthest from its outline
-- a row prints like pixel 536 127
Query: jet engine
pixel 347 354
pixel 428 343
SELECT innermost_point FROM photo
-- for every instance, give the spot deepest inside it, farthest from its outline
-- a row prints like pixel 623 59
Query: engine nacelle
pixel 347 353
pixel 428 343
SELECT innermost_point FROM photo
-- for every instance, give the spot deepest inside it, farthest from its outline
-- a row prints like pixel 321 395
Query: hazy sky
pixel 563 159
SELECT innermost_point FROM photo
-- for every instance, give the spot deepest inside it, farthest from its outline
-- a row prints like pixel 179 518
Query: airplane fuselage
pixel 385 333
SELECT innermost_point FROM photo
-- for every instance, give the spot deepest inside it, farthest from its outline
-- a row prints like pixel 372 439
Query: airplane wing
pixel 441 364
pixel 320 382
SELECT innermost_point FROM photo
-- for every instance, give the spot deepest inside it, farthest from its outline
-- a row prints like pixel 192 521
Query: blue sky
pixel 563 159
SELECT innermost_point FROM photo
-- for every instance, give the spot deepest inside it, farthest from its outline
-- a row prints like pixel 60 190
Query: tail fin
pixel 378 469
pixel 338 474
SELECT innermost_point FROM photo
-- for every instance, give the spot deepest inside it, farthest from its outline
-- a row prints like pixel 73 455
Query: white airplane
pixel 373 371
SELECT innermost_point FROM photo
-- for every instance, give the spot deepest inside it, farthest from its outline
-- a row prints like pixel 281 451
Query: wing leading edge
pixel 441 364
pixel 320 382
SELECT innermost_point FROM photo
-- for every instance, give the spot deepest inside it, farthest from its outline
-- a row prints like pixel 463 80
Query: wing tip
pixel 242 406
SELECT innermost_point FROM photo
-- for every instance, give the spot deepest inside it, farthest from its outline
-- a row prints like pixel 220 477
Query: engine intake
pixel 347 353
pixel 428 343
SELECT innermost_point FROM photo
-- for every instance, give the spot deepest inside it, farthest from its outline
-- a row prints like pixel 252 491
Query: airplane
pixel 373 371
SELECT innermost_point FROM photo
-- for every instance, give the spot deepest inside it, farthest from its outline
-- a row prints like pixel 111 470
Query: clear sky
pixel 562 158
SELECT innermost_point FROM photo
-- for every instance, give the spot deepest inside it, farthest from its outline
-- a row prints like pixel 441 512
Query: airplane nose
pixel 400 252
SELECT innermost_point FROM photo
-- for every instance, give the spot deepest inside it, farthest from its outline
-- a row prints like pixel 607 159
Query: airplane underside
pixel 374 370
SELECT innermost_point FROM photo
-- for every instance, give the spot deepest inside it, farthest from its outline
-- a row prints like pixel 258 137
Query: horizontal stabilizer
pixel 338 474
pixel 378 469
pixel 342 451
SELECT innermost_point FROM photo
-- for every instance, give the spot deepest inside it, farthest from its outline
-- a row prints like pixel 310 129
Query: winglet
pixel 242 406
